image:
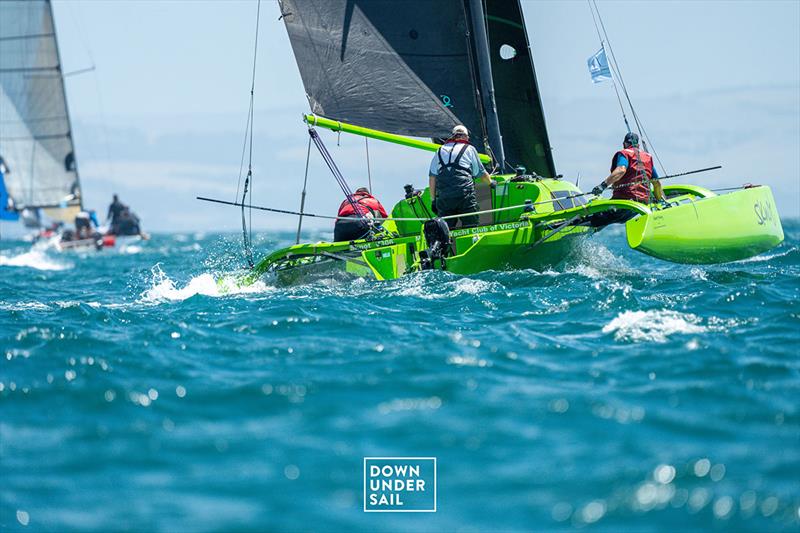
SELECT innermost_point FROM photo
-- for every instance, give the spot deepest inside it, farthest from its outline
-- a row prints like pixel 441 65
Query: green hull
pixel 706 228
pixel 511 239
pixel 700 227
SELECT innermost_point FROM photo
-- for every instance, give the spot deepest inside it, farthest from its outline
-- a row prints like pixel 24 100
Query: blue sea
pixel 615 392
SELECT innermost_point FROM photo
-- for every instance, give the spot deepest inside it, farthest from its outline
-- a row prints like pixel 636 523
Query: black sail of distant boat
pixel 411 68
pixel 35 134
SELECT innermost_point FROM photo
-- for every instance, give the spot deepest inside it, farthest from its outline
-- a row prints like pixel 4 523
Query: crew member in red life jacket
pixel 632 172
pixel 353 227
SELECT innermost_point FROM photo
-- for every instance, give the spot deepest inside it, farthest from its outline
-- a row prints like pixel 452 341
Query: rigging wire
pixel 101 107
pixel 247 233
pixel 369 173
pixel 557 200
pixel 303 194
pixel 613 80
pixel 244 151
pixel 337 174
pixel 618 72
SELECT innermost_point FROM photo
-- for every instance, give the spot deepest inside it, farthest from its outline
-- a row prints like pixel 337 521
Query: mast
pixel 66 104
pixel 481 42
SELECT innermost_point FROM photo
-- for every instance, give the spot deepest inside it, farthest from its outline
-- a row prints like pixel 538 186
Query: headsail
pixel 35 134
pixel 404 68
pixel 519 105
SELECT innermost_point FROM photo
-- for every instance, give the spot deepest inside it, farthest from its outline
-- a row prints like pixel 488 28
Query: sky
pixel 161 119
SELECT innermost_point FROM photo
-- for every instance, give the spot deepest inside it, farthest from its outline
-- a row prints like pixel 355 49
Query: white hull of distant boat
pixel 120 243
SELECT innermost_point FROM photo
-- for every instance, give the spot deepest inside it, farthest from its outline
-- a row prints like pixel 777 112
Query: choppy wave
pixel 654 325
pixel 36 259
pixel 164 289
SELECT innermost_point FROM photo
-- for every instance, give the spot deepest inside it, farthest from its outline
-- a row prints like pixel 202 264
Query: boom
pixel 335 125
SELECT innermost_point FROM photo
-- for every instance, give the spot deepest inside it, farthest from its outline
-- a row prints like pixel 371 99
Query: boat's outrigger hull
pixel 707 228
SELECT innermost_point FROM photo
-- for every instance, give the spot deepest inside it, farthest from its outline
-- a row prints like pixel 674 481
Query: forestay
pixel 35 136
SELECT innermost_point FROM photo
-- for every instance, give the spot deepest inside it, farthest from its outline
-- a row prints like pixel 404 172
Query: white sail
pixel 35 133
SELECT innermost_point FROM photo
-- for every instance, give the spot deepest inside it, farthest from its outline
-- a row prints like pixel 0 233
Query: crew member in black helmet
pixel 632 174
pixel 453 169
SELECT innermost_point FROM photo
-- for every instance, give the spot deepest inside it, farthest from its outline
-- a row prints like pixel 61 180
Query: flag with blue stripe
pixel 598 67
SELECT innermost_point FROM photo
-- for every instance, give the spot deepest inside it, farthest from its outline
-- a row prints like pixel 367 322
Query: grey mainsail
pixel 35 133
pixel 409 67
pixel 401 67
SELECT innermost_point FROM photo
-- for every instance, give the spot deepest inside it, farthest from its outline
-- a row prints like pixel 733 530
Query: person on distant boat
pixel 632 172
pixel 353 226
pixel 84 221
pixel 114 210
pixel 451 178
pixel 127 223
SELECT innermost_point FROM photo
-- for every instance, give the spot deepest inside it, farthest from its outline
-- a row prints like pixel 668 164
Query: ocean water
pixel 614 393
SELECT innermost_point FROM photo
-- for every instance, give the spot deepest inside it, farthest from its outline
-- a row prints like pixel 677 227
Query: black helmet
pixel 631 139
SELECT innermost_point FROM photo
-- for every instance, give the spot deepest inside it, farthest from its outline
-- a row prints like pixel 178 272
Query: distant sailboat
pixel 40 170
pixel 35 131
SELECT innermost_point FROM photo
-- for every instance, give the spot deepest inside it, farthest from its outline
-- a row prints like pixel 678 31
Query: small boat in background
pixel 41 171
pixel 41 184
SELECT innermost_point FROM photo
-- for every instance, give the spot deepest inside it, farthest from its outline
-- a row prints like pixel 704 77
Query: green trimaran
pixel 419 70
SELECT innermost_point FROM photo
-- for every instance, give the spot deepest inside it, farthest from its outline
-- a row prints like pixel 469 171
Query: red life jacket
pixel 366 204
pixel 640 169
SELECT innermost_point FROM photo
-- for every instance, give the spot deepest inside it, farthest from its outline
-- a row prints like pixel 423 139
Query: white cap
pixel 460 130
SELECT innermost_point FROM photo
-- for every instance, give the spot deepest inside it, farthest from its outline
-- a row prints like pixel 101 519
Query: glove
pixel 433 207
pixel 597 191
pixel 493 184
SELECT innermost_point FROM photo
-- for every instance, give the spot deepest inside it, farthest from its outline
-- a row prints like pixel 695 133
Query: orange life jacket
pixel 639 172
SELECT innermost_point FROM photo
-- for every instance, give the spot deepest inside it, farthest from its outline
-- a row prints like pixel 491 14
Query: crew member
pixel 453 169
pixel 114 211
pixel 632 172
pixel 127 223
pixel 354 226
pixel 83 224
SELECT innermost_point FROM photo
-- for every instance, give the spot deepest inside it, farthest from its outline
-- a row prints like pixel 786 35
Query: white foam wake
pixel 653 326
pixel 37 259
pixel 420 287
pixel 164 289
pixel 766 257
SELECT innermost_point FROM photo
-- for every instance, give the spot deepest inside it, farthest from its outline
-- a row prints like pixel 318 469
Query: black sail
pixel 409 67
pixel 519 105
pixel 402 67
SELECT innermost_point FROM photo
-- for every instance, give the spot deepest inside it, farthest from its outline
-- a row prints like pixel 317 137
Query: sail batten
pixel 35 133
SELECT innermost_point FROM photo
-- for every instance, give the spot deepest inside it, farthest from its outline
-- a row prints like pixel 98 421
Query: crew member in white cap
pixel 453 170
